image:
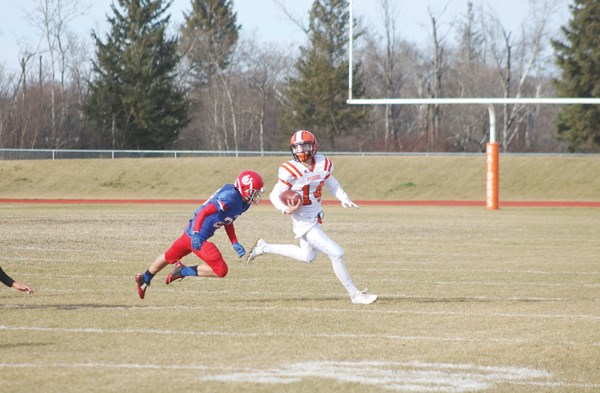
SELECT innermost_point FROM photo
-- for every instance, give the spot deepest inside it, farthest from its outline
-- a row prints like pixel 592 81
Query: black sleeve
pixel 6 280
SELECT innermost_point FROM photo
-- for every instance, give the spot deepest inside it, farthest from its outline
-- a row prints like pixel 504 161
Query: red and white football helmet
pixel 303 145
pixel 250 184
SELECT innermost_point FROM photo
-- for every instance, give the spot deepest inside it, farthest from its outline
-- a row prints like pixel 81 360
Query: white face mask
pixel 303 147
pixel 255 196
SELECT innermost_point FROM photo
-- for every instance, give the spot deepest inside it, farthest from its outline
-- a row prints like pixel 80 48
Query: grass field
pixel 533 178
pixel 470 300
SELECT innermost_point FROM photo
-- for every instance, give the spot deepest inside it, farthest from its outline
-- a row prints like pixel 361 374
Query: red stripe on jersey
pixel 292 170
pixel 286 183
pixel 328 165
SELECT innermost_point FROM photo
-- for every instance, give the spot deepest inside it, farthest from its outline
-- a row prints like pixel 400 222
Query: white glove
pixel 349 203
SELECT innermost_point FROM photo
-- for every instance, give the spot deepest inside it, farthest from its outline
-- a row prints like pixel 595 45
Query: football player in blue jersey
pixel 221 209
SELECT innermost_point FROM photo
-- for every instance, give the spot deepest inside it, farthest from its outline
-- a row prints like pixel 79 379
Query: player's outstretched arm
pixel 9 282
pixel 230 229
pixel 22 287
pixel 336 189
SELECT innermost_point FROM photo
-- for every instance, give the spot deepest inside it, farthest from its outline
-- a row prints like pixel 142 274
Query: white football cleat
pixel 257 250
pixel 363 297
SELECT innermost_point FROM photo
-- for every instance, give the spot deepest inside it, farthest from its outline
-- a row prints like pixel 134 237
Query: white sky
pixel 264 18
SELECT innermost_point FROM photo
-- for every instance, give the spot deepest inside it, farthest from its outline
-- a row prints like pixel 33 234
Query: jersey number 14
pixel 317 194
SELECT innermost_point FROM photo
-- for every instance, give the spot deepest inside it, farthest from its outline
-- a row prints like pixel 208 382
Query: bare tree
pixel 299 22
pixel 264 68
pixel 391 82
pixel 468 76
pixel 515 61
pixel 8 90
pixel 51 18
pixel 438 64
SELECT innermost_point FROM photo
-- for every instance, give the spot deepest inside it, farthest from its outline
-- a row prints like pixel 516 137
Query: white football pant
pixel 313 241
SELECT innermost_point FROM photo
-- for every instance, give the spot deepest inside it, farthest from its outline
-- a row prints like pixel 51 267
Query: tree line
pixel 147 84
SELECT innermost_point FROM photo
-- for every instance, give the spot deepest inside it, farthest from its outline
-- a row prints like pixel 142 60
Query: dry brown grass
pixel 470 300
pixel 542 178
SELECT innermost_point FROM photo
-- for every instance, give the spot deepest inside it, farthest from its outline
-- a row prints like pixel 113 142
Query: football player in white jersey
pixel 306 174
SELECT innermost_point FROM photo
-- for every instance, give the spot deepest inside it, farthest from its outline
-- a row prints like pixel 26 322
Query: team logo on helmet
pixel 250 185
pixel 247 180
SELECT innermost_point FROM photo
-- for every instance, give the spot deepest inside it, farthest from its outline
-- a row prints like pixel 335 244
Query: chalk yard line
pixel 383 296
pixel 95 330
pixel 328 310
pixel 400 376
pixel 414 376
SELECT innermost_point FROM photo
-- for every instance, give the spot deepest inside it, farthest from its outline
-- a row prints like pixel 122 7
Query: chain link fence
pixel 59 154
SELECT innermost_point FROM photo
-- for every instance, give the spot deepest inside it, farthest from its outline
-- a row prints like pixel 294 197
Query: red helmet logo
pixel 247 180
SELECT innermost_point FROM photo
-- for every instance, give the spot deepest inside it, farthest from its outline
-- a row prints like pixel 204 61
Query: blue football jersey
pixel 230 206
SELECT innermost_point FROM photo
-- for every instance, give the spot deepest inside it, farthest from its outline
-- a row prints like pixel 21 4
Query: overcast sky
pixel 264 18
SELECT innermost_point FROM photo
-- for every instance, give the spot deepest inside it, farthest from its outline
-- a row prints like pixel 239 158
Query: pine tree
pixel 319 92
pixel 134 101
pixel 579 60
pixel 470 39
pixel 208 37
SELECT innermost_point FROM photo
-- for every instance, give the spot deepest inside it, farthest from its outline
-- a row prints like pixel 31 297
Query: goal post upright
pixel 492 147
pixel 350 46
pixel 492 165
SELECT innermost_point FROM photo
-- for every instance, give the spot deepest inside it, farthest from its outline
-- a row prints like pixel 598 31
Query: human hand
pixel 22 287
pixel 196 243
pixel 291 208
pixel 349 203
pixel 239 249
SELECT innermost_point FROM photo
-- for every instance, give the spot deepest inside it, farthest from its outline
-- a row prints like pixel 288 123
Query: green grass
pixel 544 178
pixel 470 300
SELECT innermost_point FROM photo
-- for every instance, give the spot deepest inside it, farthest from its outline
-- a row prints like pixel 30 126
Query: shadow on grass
pixel 72 306
pixel 460 299
pixel 24 345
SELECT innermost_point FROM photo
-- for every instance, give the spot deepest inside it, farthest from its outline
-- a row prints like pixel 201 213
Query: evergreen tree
pixel 579 60
pixel 319 92
pixel 208 37
pixel 470 38
pixel 134 101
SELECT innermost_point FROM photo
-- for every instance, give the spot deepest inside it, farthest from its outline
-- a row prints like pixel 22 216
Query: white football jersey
pixel 308 182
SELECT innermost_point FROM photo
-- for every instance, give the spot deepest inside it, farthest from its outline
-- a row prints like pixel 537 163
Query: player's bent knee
pixel 338 254
pixel 339 251
pixel 221 271
pixel 309 258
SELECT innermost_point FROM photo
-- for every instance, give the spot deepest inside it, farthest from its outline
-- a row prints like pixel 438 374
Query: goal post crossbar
pixel 445 101
pixel 471 100
pixel 488 101
pixel 492 151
